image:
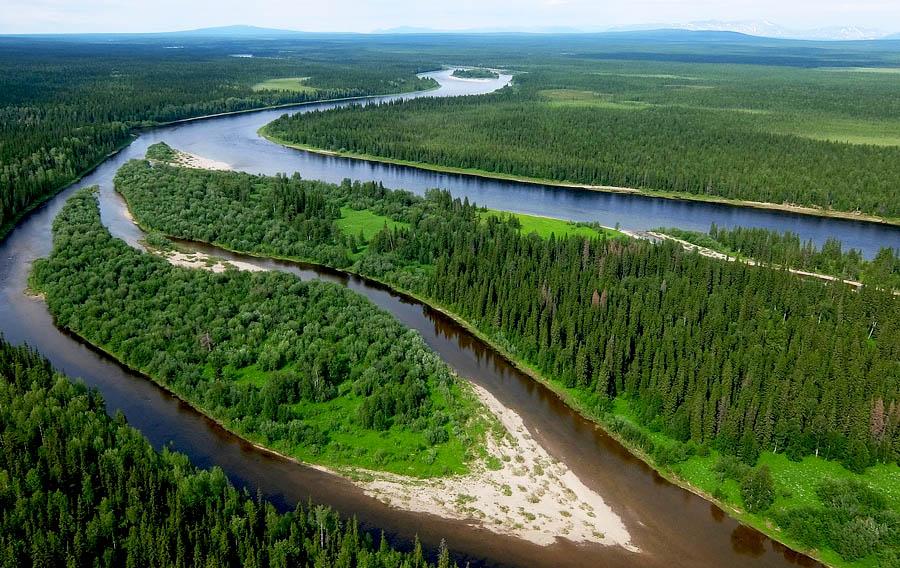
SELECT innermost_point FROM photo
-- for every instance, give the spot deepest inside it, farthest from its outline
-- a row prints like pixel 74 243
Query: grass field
pixel 848 130
pixel 546 226
pixel 398 450
pixel 293 84
pixel 354 221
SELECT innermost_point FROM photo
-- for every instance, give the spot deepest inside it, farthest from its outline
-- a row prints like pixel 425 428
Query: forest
pixel 309 369
pixel 67 103
pixel 81 488
pixel 819 137
pixel 475 74
pixel 697 362
pixel 787 250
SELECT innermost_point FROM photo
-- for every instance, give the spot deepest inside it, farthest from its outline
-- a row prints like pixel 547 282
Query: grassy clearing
pixel 795 482
pixel 847 130
pixel 546 226
pixel 292 84
pixel 353 221
pixel 575 98
pixel 398 450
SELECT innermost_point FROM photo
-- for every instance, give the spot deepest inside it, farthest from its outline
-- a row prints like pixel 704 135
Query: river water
pixel 672 527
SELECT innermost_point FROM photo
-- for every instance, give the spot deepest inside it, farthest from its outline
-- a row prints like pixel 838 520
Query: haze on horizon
pixel 81 16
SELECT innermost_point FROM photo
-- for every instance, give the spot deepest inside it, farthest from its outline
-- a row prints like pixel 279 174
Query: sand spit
pixel 204 261
pixel 527 493
pixel 189 160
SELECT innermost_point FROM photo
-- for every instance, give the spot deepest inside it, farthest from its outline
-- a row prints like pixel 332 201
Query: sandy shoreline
pixel 531 496
pixel 189 160
pixel 520 490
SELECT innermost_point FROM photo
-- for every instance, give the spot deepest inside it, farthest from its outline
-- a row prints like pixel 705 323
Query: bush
pixel 729 467
pixel 758 489
pixel 857 538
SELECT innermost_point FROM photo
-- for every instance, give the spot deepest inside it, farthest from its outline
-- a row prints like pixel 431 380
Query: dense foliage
pixel 743 358
pixel 65 104
pixel 78 488
pixel 310 369
pixel 787 250
pixel 475 74
pixel 694 361
pixel 737 132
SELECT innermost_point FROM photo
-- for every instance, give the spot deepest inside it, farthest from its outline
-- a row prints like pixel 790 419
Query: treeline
pixel 66 104
pixel 698 134
pixel 78 488
pixel 740 358
pixel 787 250
pixel 309 369
pixel 717 356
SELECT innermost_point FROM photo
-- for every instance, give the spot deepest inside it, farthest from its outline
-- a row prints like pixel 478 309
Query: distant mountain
pixel 486 30
pixel 765 28
pixel 236 31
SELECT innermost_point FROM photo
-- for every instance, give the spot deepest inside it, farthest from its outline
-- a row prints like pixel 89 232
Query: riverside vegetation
pixel 772 393
pixel 819 138
pixel 787 250
pixel 311 370
pixel 81 488
pixel 67 103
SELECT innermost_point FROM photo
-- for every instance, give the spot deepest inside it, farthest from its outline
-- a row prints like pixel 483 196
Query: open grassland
pixel 292 84
pixel 364 222
pixel 546 226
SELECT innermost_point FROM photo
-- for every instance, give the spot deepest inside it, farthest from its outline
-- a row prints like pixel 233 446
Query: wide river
pixel 671 526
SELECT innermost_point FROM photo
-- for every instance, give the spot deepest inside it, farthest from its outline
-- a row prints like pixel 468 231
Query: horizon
pixel 30 17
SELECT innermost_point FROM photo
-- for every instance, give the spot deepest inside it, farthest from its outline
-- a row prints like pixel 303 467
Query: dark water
pixel 671 526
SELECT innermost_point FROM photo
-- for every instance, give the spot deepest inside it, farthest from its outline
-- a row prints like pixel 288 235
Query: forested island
pixel 810 140
pixel 81 488
pixel 475 73
pixel 311 370
pixel 768 392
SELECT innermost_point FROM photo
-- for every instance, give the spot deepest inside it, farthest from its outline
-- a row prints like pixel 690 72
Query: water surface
pixel 671 526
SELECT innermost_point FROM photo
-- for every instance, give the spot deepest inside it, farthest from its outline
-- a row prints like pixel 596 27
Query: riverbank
pixel 7 228
pixel 136 130
pixel 760 524
pixel 698 484
pixel 671 195
pixel 514 488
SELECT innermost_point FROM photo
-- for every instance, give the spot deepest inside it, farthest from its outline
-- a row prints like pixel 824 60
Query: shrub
pixel 758 489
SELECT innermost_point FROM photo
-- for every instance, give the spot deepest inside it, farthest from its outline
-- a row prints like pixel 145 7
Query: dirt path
pixel 722 256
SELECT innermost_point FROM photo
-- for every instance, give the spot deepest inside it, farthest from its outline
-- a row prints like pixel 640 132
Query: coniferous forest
pixel 81 488
pixel 754 364
pixel 812 137
pixel 774 395
pixel 67 103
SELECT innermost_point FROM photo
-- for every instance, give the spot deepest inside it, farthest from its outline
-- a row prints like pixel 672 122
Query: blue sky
pixel 29 16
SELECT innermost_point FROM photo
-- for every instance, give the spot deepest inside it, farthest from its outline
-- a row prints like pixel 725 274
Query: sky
pixel 64 16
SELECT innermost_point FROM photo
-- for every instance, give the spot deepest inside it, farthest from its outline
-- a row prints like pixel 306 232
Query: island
pixel 475 74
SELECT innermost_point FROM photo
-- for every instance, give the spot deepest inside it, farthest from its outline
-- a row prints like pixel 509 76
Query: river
pixel 671 526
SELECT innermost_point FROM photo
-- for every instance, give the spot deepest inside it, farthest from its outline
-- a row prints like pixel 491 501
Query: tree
pixel 758 489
